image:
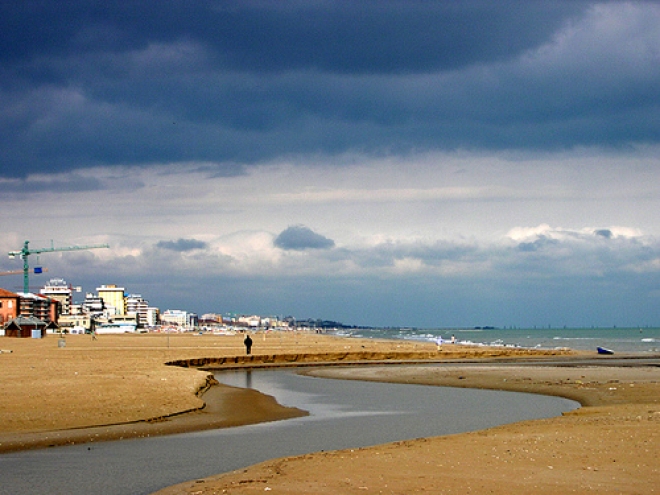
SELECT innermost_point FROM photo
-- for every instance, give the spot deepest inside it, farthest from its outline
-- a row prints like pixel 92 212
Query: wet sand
pixel 118 386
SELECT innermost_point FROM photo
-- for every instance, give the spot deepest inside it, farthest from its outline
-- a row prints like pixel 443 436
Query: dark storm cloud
pixel 182 245
pixel 70 184
pixel 85 83
pixel 335 36
pixel 299 237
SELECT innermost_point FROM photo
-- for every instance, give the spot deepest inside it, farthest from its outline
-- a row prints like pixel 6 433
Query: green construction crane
pixel 25 252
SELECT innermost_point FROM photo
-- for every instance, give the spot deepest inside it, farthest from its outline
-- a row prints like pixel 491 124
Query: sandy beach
pixel 120 387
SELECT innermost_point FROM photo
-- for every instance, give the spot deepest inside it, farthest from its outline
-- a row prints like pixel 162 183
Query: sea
pixel 636 340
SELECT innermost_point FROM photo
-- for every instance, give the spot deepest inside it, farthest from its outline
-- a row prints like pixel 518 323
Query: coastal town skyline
pixel 111 302
pixel 425 164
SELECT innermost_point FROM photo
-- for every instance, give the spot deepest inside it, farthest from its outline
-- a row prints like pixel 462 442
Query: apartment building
pixel 113 298
pixel 92 304
pixel 26 306
pixel 153 316
pixel 39 306
pixel 178 318
pixel 9 306
pixel 136 305
pixel 62 292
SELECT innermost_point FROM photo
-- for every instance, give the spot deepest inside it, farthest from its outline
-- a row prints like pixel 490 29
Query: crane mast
pixel 26 252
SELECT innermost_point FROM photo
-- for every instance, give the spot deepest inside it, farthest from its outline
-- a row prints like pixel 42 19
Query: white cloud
pixel 529 222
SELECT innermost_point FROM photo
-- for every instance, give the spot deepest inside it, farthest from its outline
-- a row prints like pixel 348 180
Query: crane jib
pixel 26 252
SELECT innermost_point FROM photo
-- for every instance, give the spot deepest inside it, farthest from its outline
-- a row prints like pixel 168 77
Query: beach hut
pixel 26 327
pixel 52 327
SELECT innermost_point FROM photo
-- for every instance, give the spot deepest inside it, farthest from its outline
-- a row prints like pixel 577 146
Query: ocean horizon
pixel 624 340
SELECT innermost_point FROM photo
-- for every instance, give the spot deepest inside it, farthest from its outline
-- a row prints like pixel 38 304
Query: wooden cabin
pixel 26 327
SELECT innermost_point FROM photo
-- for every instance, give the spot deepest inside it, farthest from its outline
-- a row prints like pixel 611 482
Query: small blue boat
pixel 602 350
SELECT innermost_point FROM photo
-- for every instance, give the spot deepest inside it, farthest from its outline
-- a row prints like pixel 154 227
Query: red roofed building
pixel 10 304
pixel 14 305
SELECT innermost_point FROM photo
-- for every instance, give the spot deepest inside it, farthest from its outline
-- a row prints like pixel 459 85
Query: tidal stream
pixel 343 414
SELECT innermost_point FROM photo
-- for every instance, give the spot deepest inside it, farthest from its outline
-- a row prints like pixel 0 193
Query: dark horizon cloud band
pixel 86 84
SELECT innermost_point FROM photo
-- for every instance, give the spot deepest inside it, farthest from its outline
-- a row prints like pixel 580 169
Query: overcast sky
pixel 414 163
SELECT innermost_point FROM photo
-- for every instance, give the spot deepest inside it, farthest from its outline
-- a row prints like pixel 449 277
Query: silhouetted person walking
pixel 248 344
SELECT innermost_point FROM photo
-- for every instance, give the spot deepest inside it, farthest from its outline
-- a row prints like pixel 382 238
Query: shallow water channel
pixel 343 414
